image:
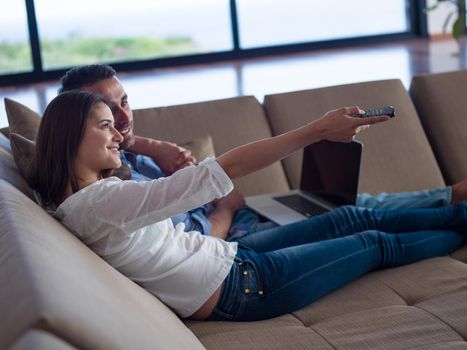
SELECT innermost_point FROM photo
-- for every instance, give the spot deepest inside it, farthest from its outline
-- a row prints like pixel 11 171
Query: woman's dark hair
pixel 78 77
pixel 60 133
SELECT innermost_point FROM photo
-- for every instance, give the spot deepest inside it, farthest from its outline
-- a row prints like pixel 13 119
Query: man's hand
pixel 169 156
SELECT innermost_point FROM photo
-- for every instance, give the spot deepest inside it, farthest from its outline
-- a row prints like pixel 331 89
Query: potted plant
pixel 456 17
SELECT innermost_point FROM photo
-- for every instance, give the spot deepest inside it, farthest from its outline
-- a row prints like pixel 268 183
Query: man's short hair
pixel 78 77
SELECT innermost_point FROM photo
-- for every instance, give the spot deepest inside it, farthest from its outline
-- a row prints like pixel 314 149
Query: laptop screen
pixel 331 171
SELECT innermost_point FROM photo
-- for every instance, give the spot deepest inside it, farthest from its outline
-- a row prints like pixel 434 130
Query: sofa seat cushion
pixel 230 122
pixel 396 154
pixel 422 305
pixel 52 281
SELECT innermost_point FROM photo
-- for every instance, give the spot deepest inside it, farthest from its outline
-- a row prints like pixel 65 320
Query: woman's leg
pixel 270 284
pixel 348 220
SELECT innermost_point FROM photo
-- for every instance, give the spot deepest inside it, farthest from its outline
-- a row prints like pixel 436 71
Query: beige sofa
pixel 57 294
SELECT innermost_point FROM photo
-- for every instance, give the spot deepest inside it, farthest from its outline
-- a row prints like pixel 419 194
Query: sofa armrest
pixel 57 284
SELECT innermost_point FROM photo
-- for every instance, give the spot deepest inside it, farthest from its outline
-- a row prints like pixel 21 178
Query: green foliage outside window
pixel 15 58
pixel 77 50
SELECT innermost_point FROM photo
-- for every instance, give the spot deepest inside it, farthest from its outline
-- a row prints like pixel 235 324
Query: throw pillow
pixel 201 147
pixel 23 152
pixel 5 131
pixel 21 119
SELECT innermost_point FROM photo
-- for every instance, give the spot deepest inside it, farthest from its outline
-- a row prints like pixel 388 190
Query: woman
pixel 270 273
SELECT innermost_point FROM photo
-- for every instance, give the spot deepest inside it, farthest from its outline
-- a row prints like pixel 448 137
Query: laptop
pixel 329 179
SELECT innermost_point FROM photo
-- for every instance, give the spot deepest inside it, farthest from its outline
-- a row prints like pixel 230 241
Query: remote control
pixel 387 110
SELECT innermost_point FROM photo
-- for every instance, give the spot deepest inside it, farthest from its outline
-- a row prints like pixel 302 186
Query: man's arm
pixel 169 156
pixel 225 209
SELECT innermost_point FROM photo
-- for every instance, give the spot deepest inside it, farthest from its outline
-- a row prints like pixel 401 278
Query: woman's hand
pixel 339 126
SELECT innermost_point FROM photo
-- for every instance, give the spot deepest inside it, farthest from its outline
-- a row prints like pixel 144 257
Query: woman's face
pixel 99 148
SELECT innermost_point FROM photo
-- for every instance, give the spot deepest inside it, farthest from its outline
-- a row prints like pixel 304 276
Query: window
pixel 301 73
pixel 15 51
pixel 90 31
pixel 144 34
pixel 297 21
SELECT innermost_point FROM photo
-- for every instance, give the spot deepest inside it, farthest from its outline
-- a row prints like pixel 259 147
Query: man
pixel 149 159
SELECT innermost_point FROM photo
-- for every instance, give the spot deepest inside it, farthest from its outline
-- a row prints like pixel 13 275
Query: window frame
pixel 417 21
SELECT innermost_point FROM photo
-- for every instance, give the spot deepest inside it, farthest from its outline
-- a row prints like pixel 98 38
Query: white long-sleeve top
pixel 128 224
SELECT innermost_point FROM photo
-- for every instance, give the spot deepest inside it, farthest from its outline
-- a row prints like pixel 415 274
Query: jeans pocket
pixel 251 278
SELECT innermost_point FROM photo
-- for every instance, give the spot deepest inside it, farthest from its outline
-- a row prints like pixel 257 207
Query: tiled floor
pixel 268 75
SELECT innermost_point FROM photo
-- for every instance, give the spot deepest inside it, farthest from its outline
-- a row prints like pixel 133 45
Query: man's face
pixel 114 93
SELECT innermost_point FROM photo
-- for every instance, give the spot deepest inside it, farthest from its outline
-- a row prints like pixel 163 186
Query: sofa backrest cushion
pixel 230 122
pixel 441 102
pixel 52 281
pixel 397 155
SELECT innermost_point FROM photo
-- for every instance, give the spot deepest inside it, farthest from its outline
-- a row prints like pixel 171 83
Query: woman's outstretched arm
pixel 336 125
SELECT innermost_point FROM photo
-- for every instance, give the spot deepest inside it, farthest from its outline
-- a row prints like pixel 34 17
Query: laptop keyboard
pixel 301 205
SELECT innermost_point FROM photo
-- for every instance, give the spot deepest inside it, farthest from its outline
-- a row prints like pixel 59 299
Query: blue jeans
pixel 432 198
pixel 246 221
pixel 283 269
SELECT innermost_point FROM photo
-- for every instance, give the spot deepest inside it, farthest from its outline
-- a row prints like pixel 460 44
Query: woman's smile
pixel 115 149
